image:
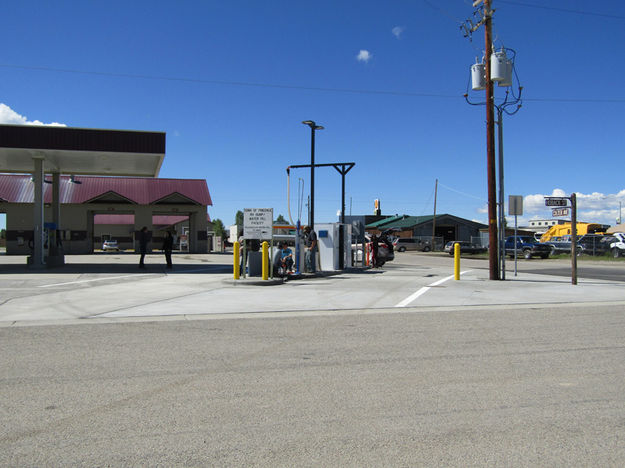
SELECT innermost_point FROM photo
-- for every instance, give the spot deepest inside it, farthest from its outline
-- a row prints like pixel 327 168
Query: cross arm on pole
pixel 343 168
pixel 350 164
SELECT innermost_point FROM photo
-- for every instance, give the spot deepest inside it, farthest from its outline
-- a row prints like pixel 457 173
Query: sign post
pixel 515 207
pixel 563 202
pixel 560 211
pixel 573 239
pixel 556 201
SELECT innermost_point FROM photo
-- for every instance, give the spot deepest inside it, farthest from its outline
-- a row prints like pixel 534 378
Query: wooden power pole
pixel 434 217
pixel 490 146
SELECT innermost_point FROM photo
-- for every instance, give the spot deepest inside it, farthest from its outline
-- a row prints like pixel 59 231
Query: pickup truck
pixel 617 244
pixel 527 247
pixel 594 244
pixel 562 245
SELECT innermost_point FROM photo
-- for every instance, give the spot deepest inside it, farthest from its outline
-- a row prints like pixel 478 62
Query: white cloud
pixel 364 56
pixel 9 116
pixel 397 31
pixel 593 207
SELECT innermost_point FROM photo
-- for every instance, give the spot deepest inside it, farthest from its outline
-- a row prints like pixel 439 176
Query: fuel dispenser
pixel 331 248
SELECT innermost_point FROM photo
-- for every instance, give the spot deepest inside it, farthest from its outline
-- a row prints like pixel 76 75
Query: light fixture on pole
pixel 313 127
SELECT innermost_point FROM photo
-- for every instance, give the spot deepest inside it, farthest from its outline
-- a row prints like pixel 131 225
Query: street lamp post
pixel 313 126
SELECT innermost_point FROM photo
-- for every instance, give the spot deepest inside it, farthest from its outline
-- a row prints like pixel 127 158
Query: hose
pixel 288 193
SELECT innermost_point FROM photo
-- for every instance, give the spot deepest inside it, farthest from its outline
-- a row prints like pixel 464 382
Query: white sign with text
pixel 257 223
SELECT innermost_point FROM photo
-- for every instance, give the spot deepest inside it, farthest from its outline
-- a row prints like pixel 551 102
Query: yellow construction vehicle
pixel 560 230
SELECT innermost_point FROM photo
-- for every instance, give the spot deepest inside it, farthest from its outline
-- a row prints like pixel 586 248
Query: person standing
pixel 168 246
pixel 375 247
pixel 310 239
pixel 143 245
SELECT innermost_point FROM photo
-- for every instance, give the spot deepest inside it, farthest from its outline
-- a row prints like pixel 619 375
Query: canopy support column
pixel 36 259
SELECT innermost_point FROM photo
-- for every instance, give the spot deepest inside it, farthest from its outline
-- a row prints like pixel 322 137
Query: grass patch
pixel 594 258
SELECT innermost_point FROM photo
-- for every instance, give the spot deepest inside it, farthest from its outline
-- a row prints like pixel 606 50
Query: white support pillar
pixel 56 202
pixel 55 251
pixel 198 229
pixel 38 219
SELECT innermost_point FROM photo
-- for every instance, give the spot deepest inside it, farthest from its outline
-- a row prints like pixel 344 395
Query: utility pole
pixel 434 218
pixel 490 146
pixel 573 199
pixel 496 67
pixel 502 219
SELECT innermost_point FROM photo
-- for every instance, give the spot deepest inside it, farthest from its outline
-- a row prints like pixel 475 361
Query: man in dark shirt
pixel 310 239
pixel 143 245
pixel 168 246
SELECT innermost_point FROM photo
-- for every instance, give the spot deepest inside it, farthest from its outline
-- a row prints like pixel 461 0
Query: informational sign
pixel 515 205
pixel 184 242
pixel 556 201
pixel 257 223
pixel 559 211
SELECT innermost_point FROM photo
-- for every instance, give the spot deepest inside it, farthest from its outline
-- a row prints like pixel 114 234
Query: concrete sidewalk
pixel 111 287
pixel 474 289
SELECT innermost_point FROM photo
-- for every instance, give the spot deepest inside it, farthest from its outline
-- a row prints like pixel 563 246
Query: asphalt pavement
pixel 104 364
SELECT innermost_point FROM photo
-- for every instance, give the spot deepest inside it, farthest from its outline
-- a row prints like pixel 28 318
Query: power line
pixel 442 11
pixel 565 10
pixel 579 100
pixel 462 193
pixel 231 83
pixel 291 87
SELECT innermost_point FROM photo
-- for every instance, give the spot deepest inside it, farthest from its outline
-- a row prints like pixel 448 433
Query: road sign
pixel 556 201
pixel 515 205
pixel 257 223
pixel 560 211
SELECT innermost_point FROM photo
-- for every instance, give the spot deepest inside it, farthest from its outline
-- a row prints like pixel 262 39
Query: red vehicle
pixel 384 251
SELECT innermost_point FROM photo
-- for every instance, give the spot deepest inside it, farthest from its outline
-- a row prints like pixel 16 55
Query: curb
pixel 255 281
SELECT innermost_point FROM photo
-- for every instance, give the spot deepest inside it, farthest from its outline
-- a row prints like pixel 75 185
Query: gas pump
pixel 48 227
pixel 330 248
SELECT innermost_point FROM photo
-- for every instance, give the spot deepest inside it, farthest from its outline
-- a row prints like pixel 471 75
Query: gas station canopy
pixel 39 150
pixel 67 150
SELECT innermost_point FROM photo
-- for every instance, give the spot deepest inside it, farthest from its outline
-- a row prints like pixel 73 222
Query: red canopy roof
pixel 139 190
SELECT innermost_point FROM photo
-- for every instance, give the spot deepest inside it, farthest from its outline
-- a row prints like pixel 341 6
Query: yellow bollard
pixel 236 268
pixel 456 261
pixel 265 260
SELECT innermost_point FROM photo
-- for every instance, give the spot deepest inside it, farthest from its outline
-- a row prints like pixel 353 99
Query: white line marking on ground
pixel 425 289
pixel 95 279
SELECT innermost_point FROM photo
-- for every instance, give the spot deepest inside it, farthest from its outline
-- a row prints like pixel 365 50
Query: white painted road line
pixel 425 289
pixel 95 279
pixel 195 270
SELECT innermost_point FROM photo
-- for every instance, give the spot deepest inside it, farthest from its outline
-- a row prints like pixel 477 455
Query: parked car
pixel 402 244
pixel 465 247
pixel 617 244
pixel 110 245
pixel 589 244
pixel 562 245
pixel 385 254
pixel 594 244
pixel 527 247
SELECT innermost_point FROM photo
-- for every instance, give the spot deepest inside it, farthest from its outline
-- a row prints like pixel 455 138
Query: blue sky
pixel 230 83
